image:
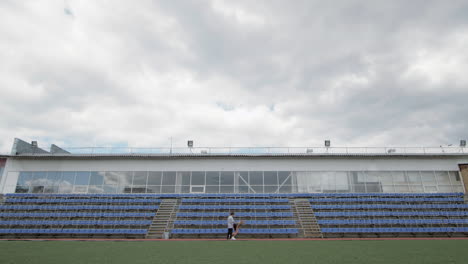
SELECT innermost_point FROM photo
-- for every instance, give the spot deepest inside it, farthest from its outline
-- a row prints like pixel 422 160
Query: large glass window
pixel 95 189
pixel 154 178
pixel 256 189
pixel 442 177
pixel 416 188
pixel 139 189
pixel 342 183
pixel 113 177
pixel 140 178
pixel 385 177
pixel 373 176
pixel 414 177
pixel 168 189
pixel 185 178
pixel 97 178
pixel 445 188
pixel 82 178
pixel 341 178
pixel 270 178
pixel 110 188
pixel 185 189
pixel 256 178
pixel 328 181
pixel 198 178
pixel 68 177
pixel 428 178
pixel 212 178
pixel 67 183
pixel 284 178
pixel 25 178
pixel 39 179
pixel 399 177
pixel 212 188
pixel 402 188
pixel 227 178
pixel 314 182
pixel 125 179
pixel 37 189
pixel 286 189
pixel 53 178
pixel 243 179
pixel 237 181
pixel 270 188
pixel 153 189
pixel 388 188
pixel 455 177
pixel 22 189
pixel 169 178
pixel 226 189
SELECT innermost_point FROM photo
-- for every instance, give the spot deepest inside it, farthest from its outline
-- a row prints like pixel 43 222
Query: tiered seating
pixel 263 216
pixel 385 214
pixel 72 215
pixel 205 215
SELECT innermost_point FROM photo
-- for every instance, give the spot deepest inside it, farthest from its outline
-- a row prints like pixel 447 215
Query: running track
pixel 267 239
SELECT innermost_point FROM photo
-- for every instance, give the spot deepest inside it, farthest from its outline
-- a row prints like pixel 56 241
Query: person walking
pixel 230 226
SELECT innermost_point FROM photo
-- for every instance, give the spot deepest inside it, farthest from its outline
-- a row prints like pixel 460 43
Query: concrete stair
pixel 309 227
pixel 163 221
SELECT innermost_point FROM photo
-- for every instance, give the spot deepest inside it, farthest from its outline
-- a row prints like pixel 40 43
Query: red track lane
pixel 266 239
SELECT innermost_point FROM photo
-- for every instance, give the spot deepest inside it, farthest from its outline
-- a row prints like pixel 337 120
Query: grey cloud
pixel 236 73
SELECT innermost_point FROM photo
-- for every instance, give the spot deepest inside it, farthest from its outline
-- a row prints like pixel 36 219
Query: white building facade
pixel 234 172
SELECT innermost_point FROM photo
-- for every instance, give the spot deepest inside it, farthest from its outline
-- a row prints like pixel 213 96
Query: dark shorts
pixel 234 226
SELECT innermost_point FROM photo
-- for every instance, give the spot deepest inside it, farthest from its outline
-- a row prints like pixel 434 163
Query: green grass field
pixel 258 252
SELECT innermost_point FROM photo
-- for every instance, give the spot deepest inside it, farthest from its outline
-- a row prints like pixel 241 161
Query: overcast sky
pixel 233 73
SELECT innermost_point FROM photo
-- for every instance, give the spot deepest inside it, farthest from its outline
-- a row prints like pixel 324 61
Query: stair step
pixel 164 218
pixel 305 216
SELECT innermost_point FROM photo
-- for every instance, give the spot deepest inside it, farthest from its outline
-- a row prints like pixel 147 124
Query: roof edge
pixel 208 156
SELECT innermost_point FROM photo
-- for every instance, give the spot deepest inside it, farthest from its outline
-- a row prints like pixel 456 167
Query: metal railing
pixel 272 150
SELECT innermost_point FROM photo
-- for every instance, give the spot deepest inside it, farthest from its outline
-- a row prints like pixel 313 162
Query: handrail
pixel 441 150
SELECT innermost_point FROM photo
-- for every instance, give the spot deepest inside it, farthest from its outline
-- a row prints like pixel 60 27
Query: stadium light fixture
pixel 463 143
pixel 327 143
pixel 190 143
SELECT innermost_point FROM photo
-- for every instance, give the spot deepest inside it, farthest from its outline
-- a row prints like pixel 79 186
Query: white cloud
pixel 443 63
pixel 241 15
pixel 232 74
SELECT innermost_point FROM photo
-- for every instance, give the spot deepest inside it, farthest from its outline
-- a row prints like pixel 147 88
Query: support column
pixel 464 174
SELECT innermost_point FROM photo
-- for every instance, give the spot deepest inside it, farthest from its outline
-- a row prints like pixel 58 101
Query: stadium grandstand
pixel 155 193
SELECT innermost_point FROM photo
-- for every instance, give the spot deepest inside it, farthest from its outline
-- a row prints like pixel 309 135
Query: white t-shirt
pixel 230 221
